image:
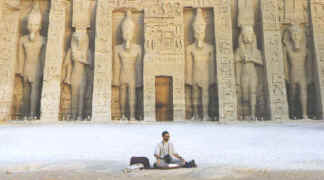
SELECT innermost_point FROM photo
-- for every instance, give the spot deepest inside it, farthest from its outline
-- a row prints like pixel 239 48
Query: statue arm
pixel 237 63
pixel 214 66
pixel 285 63
pixel 259 59
pixel 67 68
pixel 139 68
pixel 116 69
pixel 21 59
pixel 189 64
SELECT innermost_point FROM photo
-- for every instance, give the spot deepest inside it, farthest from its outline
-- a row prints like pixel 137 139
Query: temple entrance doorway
pixel 164 98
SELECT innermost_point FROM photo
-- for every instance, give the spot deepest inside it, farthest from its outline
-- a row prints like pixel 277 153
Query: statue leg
pixel 205 102
pixel 26 99
pixel 123 100
pixel 303 98
pixel 34 99
pixel 195 102
pixel 83 89
pixel 132 101
pixel 244 98
pixel 253 97
pixel 75 100
pixel 293 88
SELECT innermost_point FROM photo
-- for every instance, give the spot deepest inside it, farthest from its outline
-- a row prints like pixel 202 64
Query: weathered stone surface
pixel 163 62
pixel 274 60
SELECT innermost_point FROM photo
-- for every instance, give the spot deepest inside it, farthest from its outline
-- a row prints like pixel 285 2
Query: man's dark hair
pixel 164 133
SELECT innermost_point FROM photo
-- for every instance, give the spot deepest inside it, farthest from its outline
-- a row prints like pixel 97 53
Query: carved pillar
pixel 8 52
pixel 50 101
pixel 164 55
pixel 225 62
pixel 274 60
pixel 101 110
pixel 317 14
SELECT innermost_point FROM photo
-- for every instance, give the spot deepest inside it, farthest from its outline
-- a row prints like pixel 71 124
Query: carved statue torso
pixel 203 65
pixel 129 64
pixel 297 62
pixel 246 60
pixel 31 64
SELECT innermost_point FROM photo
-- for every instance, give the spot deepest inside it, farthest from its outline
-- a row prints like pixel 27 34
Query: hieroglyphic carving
pixel 50 101
pixel 164 43
pixel 273 59
pixel 293 11
pixel 8 49
pixel 101 101
pixel 199 3
pixel 317 14
pixel 225 62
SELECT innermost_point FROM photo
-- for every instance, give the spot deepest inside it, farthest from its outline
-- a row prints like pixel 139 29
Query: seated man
pixel 165 154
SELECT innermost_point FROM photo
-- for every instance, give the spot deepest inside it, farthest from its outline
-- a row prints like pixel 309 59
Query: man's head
pixel 165 136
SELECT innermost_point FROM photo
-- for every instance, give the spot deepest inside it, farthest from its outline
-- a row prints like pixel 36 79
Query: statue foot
pixel 195 117
pixel 133 119
pixel 123 118
pixel 206 118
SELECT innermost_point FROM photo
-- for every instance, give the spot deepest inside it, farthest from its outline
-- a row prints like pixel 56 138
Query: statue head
pixel 34 21
pixel 295 36
pixel 128 28
pixel 79 44
pixel 247 34
pixel 199 26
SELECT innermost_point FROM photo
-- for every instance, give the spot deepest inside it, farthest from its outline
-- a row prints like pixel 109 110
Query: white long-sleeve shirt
pixel 163 149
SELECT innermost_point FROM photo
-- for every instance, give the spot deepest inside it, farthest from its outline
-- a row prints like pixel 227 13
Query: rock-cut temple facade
pixel 161 60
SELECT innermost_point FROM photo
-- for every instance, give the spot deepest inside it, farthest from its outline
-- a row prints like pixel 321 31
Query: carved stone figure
pixel 31 63
pixel 247 57
pixel 201 67
pixel 294 41
pixel 78 62
pixel 127 68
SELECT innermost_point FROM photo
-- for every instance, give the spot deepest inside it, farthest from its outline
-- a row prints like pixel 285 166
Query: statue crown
pixel 199 19
pixel 128 21
pixel 35 16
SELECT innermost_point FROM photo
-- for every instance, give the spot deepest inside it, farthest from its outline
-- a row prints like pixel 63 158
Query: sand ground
pixel 185 174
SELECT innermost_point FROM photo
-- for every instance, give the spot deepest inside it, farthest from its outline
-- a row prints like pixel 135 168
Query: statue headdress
pixel 128 21
pixel 199 19
pixel 35 16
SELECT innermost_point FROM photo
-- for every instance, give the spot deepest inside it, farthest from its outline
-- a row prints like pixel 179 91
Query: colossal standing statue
pixel 31 64
pixel 201 67
pixel 294 41
pixel 247 57
pixel 127 68
pixel 78 62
